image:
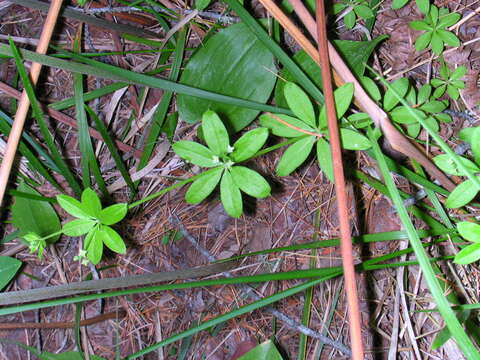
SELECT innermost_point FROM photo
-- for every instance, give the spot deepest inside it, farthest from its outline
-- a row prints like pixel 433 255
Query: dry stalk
pixel 340 187
pixel 24 104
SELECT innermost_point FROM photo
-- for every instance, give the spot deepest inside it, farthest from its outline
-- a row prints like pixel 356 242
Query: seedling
pixel 93 222
pixel 222 159
pixel 449 81
pixel 435 25
pixel 309 130
pixel 354 9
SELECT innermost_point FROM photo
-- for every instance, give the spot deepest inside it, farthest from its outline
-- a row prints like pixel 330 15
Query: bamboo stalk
pixel 340 188
pixel 24 103
pixel 342 75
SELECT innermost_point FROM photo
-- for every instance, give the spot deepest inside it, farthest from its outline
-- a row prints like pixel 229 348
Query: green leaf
pixel 433 106
pixel 264 351
pixel 401 114
pixel 250 182
pixel 299 103
pixel 448 37
pixel 8 268
pixel 423 40
pixel 400 86
pixel 249 144
pixel 295 155
pixel 91 201
pixel 78 227
pixel 439 91
pixel 371 88
pixel 420 25
pixel 215 133
pixel 475 144
pixel 423 5
pixel 459 73
pixel 280 129
pixel 360 120
pixel 195 153
pixel 221 65
pixel 113 214
pixel 353 140
pixel 350 19
pixel 230 196
pixel 461 195
pixel 203 186
pixel 324 157
pixel 201 5
pixel 453 92
pixel 343 98
pixel 68 355
pixel 468 255
pixel 111 239
pixel 89 237
pixel 363 11
pixel 469 231
pixel 466 134
pixel 424 93
pixel 447 165
pixel 398 4
pixel 448 20
pixel 36 216
pixel 95 248
pixel 74 207
pixel 437 44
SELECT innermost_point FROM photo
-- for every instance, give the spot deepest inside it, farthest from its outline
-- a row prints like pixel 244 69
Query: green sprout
pixel 435 26
pixel 449 81
pixel 222 159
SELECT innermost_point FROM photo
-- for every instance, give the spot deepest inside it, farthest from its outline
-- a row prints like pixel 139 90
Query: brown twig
pixel 342 75
pixel 63 324
pixel 340 188
pixel 275 117
pixel 57 115
pixel 24 103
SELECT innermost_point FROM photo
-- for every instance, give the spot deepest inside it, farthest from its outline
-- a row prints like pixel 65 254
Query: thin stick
pixel 24 104
pixel 342 75
pixel 340 187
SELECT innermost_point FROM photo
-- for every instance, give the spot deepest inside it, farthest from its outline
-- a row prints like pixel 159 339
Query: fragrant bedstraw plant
pixel 222 159
pixel 354 9
pixel 435 25
pixel 311 130
pixel 91 221
pixel 450 81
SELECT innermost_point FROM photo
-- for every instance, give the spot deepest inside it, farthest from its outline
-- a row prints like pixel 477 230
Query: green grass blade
pixel 102 129
pixel 76 330
pixel 448 315
pixel 39 116
pixel 162 109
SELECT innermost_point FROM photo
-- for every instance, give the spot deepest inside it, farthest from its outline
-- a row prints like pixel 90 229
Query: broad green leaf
pixel 215 133
pixel 475 144
pixel 447 165
pixel 264 351
pixel 423 6
pixel 299 103
pixel 419 25
pixel 350 19
pixel 78 227
pixel 95 248
pixel 461 195
pixel 448 38
pixel 400 86
pixel 363 11
pixel 113 214
pixel 459 73
pixel 74 207
pixel 203 186
pixel 201 5
pixel 36 216
pixel 8 268
pixel 353 140
pixel 222 65
pixel 466 134
pixel 439 91
pixel 111 239
pixel 230 196
pixel 468 255
pixel 355 54
pixel 250 182
pixel 89 237
pixel 295 155
pixel 424 93
pixel 402 115
pixel 371 88
pixel 433 106
pixel 91 201
pixel 453 92
pixel 280 129
pixel 324 157
pixel 437 43
pixel 359 120
pixel 343 98
pixel 249 144
pixel 469 231
pixel 195 153
pixel 448 20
